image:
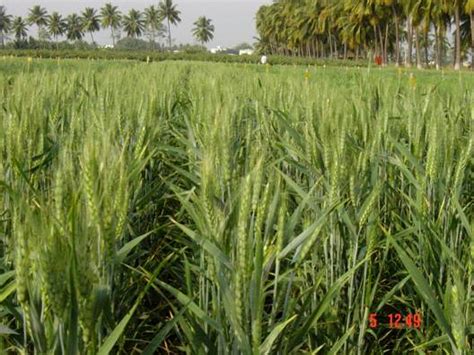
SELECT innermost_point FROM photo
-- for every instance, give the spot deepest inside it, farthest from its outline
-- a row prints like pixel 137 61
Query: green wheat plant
pixel 201 208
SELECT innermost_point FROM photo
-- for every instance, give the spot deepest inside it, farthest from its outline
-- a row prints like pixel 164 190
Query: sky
pixel 234 20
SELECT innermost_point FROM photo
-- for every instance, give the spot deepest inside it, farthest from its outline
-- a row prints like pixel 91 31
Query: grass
pixel 208 208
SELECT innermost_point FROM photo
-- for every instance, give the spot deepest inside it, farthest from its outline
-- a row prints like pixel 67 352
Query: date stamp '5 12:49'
pixel 395 320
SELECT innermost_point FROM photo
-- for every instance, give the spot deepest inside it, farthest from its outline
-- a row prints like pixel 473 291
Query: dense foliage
pixel 342 28
pixel 135 24
pixel 233 209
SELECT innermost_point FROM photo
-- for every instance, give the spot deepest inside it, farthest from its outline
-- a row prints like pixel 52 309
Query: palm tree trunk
pixel 39 34
pixel 382 54
pixel 330 45
pixel 457 18
pixel 442 44
pixel 92 37
pixel 2 39
pixel 417 44
pixel 438 47
pixel 409 53
pixel 376 49
pixel 113 36
pixel 397 36
pixel 385 46
pixel 472 39
pixel 427 60
pixel 169 34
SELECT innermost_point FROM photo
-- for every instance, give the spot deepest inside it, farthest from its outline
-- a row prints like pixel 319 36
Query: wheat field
pixel 234 209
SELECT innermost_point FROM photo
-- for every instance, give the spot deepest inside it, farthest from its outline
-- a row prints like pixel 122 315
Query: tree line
pixel 74 27
pixel 361 28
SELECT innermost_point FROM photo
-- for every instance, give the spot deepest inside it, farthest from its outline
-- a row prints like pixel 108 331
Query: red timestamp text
pixel 395 320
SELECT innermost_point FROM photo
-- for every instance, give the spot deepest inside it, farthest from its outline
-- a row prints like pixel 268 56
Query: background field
pixel 233 208
pixel 154 56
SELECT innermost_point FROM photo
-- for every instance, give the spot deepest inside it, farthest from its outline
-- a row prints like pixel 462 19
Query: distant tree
pixel 56 25
pixel 132 44
pixel 203 30
pixel 38 16
pixel 153 24
pixel 169 12
pixel 19 28
pixel 111 18
pixel 133 24
pixel 243 45
pixel 190 48
pixel 90 21
pixel 74 28
pixel 5 24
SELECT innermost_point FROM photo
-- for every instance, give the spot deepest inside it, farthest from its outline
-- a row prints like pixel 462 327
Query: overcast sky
pixel 234 20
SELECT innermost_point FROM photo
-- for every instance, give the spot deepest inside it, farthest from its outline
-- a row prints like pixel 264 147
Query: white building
pixel 246 52
pixel 218 49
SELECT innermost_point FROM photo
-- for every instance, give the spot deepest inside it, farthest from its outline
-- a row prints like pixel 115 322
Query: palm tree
pixel 368 17
pixel 56 25
pixel 440 19
pixel 417 12
pixel 38 16
pixel 265 43
pixel 90 21
pixel 277 27
pixel 153 22
pixel 203 30
pixel 323 28
pixel 133 23
pixel 5 23
pixel 74 28
pixel 396 10
pixel 111 18
pixel 350 31
pixel 327 25
pixel 19 28
pixel 407 9
pixel 309 22
pixel 169 12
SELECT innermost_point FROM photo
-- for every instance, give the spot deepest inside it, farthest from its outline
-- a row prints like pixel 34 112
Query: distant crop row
pixel 154 56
